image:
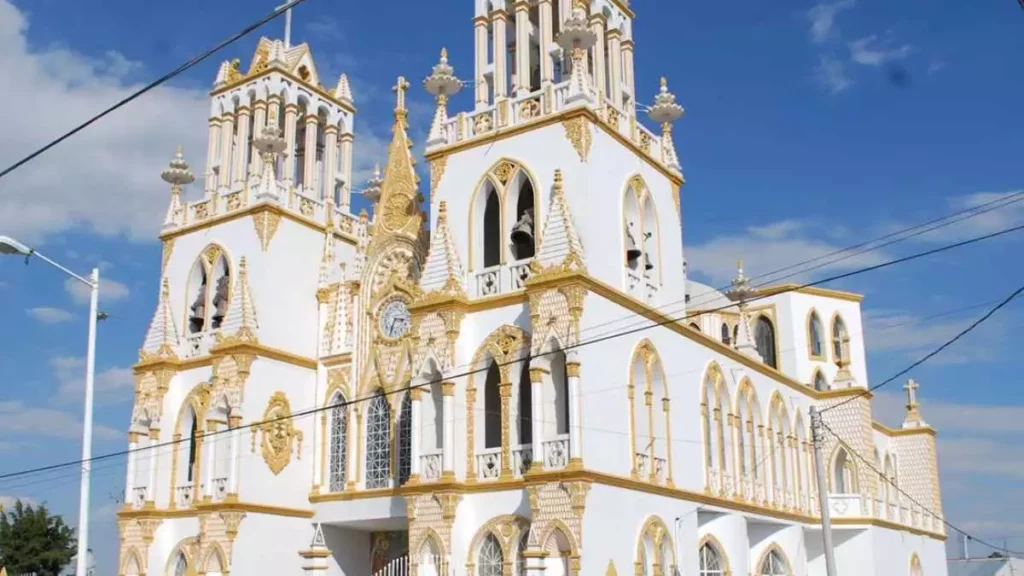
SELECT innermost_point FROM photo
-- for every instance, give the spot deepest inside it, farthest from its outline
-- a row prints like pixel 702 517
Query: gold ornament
pixel 577 130
pixel 278 434
pixel 266 223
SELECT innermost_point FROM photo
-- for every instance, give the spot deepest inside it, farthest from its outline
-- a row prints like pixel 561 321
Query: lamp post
pixel 11 247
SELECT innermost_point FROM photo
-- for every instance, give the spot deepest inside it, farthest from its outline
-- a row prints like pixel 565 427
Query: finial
pixel 665 109
pixel 178 153
pixel 376 170
pixel 739 266
pixel 558 177
pixel 177 173
pixel 399 88
pixel 444 54
pixel 664 84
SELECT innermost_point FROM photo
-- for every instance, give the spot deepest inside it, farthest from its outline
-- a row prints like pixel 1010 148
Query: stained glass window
pixel 339 444
pixel 378 442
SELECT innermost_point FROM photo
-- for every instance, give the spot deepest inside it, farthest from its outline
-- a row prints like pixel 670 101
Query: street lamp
pixel 11 247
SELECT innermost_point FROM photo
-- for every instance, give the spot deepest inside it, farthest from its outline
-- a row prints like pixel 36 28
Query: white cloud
pixel 831 74
pixel 1005 211
pixel 48 315
pixel 969 419
pixel 913 337
pixel 110 291
pixel 936 66
pixel 106 178
pixel 869 51
pixel 767 248
pixel 8 502
pixel 823 19
pixel 110 385
pixel 982 456
pixel 18 418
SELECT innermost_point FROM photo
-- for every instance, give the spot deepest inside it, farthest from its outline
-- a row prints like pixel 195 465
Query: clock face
pixel 394 319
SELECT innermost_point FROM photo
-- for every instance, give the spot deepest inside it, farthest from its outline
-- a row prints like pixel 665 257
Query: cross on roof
pixel 400 88
pixel 911 387
pixel 287 23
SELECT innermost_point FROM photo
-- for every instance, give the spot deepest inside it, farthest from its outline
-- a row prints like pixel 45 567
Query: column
pixel 211 156
pixel 505 391
pixel 154 463
pixel 537 376
pixel 547 30
pixel 291 111
pixel 522 9
pixel 346 170
pixel 330 161
pixel 499 20
pixel 627 72
pixel 129 480
pixel 414 437
pixel 649 401
pixel 210 443
pixel 597 24
pixel 309 160
pixel 572 374
pixel 448 434
pixel 354 453
pixel 240 169
pixel 227 139
pixel 235 422
pixel 480 25
pixel 615 66
pixel 668 443
pixel 259 122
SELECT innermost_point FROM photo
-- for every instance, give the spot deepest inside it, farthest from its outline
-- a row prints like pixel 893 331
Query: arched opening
pixel 799 476
pixel 133 564
pixel 524 230
pixel 890 483
pixel 378 442
pixel 188 455
pixel 844 476
pixel 300 147
pixel 321 179
pixel 816 336
pixel 632 233
pixel 214 565
pixel 773 564
pixel 651 240
pixel 710 561
pixel 840 340
pixel 492 228
pixel 559 552
pixel 492 407
pixel 764 336
pixel 180 566
pixel 556 416
pixel 726 336
pixel 525 420
pixel 489 557
pixel 222 292
pixel 197 288
pixel 820 382
pixel 338 475
pixel 641 422
pixel 430 562
pixel 405 439
pixel 915 566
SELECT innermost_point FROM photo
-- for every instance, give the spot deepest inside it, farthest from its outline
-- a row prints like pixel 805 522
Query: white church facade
pixel 516 379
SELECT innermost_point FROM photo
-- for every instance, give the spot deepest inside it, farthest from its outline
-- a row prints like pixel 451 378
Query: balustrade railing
pixel 499 279
pixel 220 489
pixel 139 496
pixel 184 496
pixel 488 464
pixel 522 458
pixel 556 452
pixel 660 470
pixel 643 465
pixel 431 466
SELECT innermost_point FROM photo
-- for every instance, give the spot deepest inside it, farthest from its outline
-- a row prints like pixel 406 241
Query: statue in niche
pixel 220 301
pixel 197 320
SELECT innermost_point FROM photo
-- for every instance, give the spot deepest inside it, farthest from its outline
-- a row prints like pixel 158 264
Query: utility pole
pixel 819 469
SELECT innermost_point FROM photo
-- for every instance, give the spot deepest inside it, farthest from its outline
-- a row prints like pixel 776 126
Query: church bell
pixel 522 234
pixel 647 256
pixel 633 251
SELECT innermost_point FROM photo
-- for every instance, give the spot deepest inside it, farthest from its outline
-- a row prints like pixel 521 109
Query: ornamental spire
pixel 560 243
pixel 240 320
pixel 443 268
pixel 162 337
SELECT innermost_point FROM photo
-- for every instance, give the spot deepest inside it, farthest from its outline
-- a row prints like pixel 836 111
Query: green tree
pixel 33 540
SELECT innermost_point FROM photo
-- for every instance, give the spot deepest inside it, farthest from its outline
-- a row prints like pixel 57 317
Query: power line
pixel 933 353
pixel 941 517
pixel 527 357
pixel 182 68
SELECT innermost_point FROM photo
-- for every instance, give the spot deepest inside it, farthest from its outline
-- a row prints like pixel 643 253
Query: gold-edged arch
pixel 782 554
pixel 844 346
pixel 506 529
pixel 508 168
pixel 710 540
pixel 208 257
pixel 132 553
pixel 636 184
pixel 823 357
pixel 656 528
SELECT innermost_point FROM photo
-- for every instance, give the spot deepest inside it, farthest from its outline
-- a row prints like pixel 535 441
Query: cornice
pixel 893 432
pixel 319 91
pixel 206 507
pixel 252 210
pixel 812 290
pixel 220 351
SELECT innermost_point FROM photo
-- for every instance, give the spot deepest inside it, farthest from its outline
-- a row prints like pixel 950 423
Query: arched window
pixel 492 408
pixel 525 405
pixel 840 340
pixel 300 147
pixel 816 336
pixel 820 383
pixel 378 442
pixel 405 439
pixel 764 334
pixel 915 566
pixel 772 565
pixel 180 566
pixel 492 228
pixel 339 444
pixel 489 558
pixel 844 477
pixel 651 240
pixel 192 454
pixel 524 232
pixel 710 561
pixel 199 290
pixel 726 339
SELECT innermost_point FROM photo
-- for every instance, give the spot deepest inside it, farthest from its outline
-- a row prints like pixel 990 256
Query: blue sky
pixel 809 127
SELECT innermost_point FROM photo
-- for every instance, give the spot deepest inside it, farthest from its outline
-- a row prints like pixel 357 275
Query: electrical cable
pixel 933 353
pixel 661 322
pixel 182 68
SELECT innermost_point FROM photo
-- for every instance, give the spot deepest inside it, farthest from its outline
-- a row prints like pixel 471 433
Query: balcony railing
pixel 140 495
pixel 220 489
pixel 556 452
pixel 184 496
pixel 522 459
pixel 431 466
pixel 660 470
pixel 500 279
pixel 488 464
pixel 643 465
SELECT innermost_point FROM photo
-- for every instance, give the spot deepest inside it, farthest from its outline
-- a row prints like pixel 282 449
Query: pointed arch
pixel 773 562
pixel 504 532
pixel 132 562
pixel 778 440
pixel 840 339
pixel 216 561
pixel 843 478
pixel 750 468
pixel 180 561
pixel 429 541
pixel 641 237
pixel 818 380
pixel 766 340
pixel 655 532
pixel 815 336
pixel 186 460
pixel 556 526
pixel 378 441
pixel 507 178
pixel 716 415
pixel 337 438
pixel 649 404
pixel 712 559
pixel 915 565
